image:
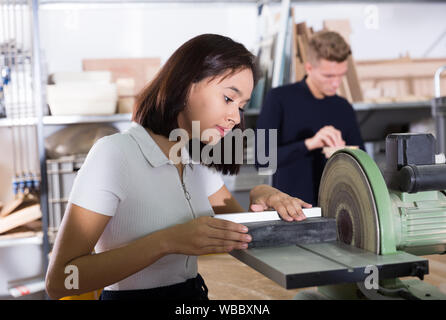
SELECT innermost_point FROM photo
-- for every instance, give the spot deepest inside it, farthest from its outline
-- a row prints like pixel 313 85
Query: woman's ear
pixel 190 92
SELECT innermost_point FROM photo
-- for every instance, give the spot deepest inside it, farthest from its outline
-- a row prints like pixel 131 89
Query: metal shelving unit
pixel 367 106
pixel 65 120
pixel 40 105
pixel 18 95
pixel 126 117
pixel 364 106
pixel 37 239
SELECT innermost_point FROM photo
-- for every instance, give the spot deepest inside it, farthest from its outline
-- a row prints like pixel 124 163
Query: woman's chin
pixel 213 140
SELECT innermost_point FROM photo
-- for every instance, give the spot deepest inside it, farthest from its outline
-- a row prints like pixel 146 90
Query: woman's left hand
pixel 265 197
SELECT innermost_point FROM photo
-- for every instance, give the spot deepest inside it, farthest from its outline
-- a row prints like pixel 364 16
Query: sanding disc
pixel 345 194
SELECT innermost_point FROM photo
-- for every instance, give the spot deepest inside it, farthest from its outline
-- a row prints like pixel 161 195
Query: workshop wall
pixel 71 32
pixel 385 30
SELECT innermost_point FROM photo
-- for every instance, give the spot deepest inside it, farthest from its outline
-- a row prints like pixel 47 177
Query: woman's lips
pixel 223 131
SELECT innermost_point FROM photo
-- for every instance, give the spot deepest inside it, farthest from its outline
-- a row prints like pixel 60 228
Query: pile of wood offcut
pixel 20 217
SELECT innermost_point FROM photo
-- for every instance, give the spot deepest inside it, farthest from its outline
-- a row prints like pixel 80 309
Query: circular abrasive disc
pixel 345 194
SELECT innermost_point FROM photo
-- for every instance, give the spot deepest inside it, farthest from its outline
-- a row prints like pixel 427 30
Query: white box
pixel 82 98
pixel 81 77
pixel 246 217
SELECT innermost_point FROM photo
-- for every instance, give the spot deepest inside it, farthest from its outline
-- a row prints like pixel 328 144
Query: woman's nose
pixel 234 115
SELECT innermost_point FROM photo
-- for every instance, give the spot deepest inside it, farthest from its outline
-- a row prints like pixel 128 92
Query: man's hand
pixel 327 136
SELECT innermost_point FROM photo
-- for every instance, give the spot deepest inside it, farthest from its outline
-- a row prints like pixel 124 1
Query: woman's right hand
pixel 205 235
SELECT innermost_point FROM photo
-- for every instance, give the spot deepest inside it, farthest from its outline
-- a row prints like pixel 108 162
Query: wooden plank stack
pixel 350 87
pixel 131 75
pixel 300 37
pixel 399 80
pixel 20 217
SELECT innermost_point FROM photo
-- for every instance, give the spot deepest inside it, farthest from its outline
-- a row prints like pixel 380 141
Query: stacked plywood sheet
pixel 131 75
pixel 300 37
pixel 20 216
pixel 350 87
pixel 399 80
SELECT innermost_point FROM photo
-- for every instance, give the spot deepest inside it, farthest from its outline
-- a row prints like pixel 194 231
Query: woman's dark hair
pixel 208 55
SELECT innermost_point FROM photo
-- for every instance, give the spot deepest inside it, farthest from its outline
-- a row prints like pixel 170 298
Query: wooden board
pixel 352 87
pixel 19 235
pixel 399 69
pixel 33 226
pixel 294 50
pixel 301 36
pixel 11 206
pixel 344 90
pixel 302 45
pixel 303 30
pixel 301 58
pixel 437 271
pixel 399 80
pixel 247 217
pixel 353 81
pixel 341 26
pixel 20 217
pixel 142 70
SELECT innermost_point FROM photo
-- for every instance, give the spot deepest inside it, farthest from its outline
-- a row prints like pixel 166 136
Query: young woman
pixel 147 217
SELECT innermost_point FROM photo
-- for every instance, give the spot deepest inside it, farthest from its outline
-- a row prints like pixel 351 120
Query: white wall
pixel 384 31
pixel 73 32
pixel 70 32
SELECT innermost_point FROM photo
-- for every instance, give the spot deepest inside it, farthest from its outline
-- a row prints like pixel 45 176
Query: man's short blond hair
pixel 328 45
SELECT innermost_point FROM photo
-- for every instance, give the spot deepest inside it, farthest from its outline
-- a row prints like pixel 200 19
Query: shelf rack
pixel 126 117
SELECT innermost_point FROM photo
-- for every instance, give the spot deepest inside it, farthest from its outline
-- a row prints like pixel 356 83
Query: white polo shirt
pixel 128 177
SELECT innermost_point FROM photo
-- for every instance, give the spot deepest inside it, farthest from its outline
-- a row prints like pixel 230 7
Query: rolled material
pixel 414 179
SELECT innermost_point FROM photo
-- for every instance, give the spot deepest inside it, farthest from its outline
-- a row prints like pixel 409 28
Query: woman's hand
pixel 265 197
pixel 206 235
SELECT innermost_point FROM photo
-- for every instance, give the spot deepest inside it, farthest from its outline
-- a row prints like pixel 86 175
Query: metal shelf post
pixel 39 104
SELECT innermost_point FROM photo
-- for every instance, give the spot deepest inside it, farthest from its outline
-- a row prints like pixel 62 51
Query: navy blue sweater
pixel 293 110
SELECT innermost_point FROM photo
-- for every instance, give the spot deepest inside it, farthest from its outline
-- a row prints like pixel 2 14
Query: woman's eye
pixel 228 100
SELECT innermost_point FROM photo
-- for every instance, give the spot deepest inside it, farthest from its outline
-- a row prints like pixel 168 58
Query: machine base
pixel 391 289
pixel 300 266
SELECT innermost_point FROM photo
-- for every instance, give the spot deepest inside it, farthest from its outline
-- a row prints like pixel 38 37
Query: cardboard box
pixel 141 70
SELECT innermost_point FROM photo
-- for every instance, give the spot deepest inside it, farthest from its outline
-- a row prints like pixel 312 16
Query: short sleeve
pixel 100 183
pixel 211 179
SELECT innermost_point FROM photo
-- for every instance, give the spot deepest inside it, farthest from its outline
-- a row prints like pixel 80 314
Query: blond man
pixel 309 116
